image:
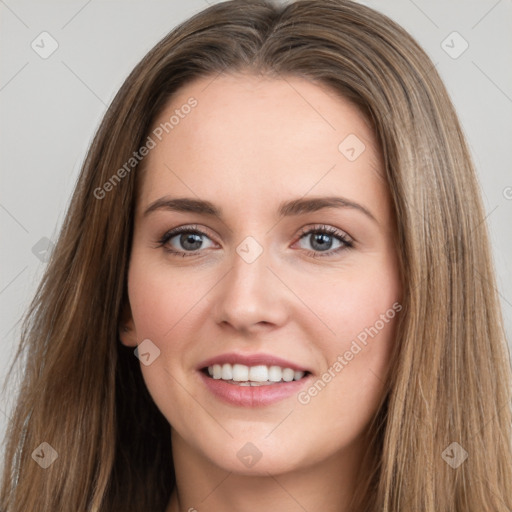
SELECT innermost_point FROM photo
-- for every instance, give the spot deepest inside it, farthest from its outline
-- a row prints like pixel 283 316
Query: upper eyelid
pixel 178 230
pixel 319 227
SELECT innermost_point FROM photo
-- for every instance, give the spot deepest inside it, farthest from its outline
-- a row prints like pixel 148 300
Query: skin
pixel 250 143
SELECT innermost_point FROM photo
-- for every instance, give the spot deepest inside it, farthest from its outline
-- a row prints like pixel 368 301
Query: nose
pixel 252 296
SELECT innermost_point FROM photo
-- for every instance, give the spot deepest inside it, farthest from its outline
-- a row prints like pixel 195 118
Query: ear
pixel 127 333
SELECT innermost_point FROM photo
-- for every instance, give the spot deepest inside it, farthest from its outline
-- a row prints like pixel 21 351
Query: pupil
pixel 185 239
pixel 324 240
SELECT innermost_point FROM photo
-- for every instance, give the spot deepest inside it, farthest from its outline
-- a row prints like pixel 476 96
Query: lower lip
pixel 252 396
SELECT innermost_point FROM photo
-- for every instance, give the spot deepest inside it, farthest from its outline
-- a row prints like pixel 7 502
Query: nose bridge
pixel 250 276
pixel 250 293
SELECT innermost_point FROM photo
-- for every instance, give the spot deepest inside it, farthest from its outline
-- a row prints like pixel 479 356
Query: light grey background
pixel 50 108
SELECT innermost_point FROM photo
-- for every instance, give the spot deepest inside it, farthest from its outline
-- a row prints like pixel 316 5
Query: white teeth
pixel 240 372
pixel 275 374
pixel 227 372
pixel 259 375
pixel 288 374
pixel 217 371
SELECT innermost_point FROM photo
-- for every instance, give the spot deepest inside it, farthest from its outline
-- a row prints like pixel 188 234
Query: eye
pixel 188 237
pixel 321 240
pixel 191 240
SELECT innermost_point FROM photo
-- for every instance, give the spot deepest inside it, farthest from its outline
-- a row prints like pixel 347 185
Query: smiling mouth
pixel 258 375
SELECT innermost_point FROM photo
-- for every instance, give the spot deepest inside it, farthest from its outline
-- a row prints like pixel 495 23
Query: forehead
pixel 252 138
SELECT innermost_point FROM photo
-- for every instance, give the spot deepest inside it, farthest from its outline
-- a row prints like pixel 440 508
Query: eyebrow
pixel 286 209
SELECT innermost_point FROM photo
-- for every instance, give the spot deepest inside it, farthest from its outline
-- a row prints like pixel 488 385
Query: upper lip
pixel 251 360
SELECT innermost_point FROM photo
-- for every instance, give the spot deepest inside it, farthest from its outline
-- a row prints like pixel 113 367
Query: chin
pixel 257 457
pixel 274 464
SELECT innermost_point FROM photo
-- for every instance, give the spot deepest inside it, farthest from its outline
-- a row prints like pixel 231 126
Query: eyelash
pixel 347 243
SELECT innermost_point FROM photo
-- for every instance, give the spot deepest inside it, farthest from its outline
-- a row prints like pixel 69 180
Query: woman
pixel 255 368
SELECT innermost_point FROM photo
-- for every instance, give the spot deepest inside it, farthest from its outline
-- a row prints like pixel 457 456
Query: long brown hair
pixel 82 391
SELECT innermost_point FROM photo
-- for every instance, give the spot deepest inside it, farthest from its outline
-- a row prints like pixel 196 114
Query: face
pixel 258 287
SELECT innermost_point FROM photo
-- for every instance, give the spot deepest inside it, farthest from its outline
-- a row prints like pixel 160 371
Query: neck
pixel 201 485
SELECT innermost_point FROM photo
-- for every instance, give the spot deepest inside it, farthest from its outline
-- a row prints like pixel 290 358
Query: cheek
pixel 361 309
pixel 358 303
pixel 162 308
pixel 160 299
